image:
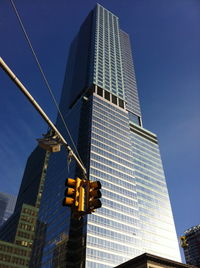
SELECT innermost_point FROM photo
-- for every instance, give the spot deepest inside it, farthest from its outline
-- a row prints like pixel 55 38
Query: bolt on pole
pixel 40 110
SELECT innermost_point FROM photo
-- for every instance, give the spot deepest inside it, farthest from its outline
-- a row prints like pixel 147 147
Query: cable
pixel 44 77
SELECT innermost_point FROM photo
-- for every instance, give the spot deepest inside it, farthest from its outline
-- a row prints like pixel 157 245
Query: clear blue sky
pixel 165 37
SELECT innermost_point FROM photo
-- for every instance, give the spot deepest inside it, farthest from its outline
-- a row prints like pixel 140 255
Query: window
pixel 114 99
pixel 121 103
pixel 100 91
pixel 107 95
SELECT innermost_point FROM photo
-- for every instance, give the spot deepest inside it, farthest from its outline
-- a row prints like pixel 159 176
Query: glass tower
pixel 100 104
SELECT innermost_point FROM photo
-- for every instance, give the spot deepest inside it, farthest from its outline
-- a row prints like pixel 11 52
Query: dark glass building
pixel 18 232
pixel 100 104
pixel 191 245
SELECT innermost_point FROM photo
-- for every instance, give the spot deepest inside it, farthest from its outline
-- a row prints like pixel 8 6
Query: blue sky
pixel 165 37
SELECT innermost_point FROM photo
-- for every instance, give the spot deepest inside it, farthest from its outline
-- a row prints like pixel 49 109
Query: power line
pixel 44 77
pixel 59 138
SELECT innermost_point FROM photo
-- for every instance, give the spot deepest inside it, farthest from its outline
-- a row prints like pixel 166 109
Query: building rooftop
pixel 155 262
pixel 192 229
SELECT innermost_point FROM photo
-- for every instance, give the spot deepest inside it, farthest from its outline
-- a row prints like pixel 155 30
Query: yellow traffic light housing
pixel 74 194
pixel 69 192
pixel 93 196
pixel 183 241
pixel 81 203
pixel 82 195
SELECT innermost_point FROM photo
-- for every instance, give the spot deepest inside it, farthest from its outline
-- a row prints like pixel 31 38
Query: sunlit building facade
pixel 101 106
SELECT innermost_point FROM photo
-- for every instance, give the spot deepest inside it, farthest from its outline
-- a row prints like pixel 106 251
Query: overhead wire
pixel 44 77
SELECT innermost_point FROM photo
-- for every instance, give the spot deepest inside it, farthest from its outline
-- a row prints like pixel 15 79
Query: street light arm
pixel 40 110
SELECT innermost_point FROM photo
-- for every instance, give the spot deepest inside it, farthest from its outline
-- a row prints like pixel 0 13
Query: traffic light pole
pixel 41 112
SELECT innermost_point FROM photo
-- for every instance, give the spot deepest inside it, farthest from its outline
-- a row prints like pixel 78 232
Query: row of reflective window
pixel 148 166
pixel 146 171
pixel 111 130
pixel 126 189
pixel 105 143
pixel 125 181
pixel 126 160
pixel 153 207
pixel 151 199
pixel 147 184
pixel 105 244
pixel 107 111
pixel 151 191
pixel 144 154
pixel 145 142
pixel 103 255
pixel 113 235
pixel 107 107
pixel 120 203
pixel 109 166
pixel 110 222
pixel 111 120
pixel 110 137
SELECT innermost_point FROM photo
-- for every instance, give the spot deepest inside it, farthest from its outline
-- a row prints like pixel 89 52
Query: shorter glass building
pixel 147 260
pixel 190 243
pixel 18 232
pixel 17 254
pixel 12 255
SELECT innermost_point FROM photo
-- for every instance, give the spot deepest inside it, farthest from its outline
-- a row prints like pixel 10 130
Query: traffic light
pixel 74 194
pixel 69 199
pixel 81 198
pixel 93 196
pixel 183 240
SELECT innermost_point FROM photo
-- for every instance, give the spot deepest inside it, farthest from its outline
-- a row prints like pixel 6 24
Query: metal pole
pixel 39 109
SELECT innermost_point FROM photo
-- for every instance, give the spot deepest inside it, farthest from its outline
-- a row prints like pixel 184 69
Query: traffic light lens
pixel 95 203
pixel 69 191
pixel 95 194
pixel 68 201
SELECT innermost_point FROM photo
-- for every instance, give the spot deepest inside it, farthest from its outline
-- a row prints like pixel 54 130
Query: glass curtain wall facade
pixel 156 220
pixel 18 232
pixel 101 106
pixel 113 232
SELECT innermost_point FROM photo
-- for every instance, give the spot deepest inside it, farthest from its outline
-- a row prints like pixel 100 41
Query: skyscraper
pixel 100 103
pixel 191 245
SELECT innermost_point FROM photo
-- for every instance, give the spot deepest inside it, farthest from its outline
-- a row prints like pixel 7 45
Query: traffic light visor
pixel 95 184
pixel 70 182
pixel 68 201
pixel 69 191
